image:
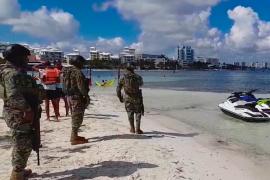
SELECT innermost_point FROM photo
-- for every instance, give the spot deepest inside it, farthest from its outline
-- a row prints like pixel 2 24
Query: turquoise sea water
pixel 209 81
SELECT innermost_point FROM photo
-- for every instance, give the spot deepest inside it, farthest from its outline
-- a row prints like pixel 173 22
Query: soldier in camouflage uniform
pixel 76 88
pixel 131 83
pixel 19 90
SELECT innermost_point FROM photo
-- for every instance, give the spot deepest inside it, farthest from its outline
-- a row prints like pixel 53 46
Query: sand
pixel 169 149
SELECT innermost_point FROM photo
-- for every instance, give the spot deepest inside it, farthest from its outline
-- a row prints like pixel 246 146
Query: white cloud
pixel 110 45
pixel 113 45
pixel 51 25
pixel 9 9
pixel 138 46
pixel 249 33
pixel 165 24
pixel 102 7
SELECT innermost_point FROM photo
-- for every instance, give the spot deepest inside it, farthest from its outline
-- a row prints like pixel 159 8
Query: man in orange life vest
pixel 50 77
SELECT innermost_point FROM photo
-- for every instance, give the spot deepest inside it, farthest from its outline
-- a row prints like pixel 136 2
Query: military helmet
pixel 14 52
pixel 77 61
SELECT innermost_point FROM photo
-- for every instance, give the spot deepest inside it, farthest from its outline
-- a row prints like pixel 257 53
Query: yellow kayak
pixel 108 83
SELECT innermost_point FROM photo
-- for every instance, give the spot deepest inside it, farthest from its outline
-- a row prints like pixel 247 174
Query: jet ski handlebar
pixel 244 92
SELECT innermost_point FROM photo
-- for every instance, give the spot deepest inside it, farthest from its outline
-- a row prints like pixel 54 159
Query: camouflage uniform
pixel 77 90
pixel 133 101
pixel 19 91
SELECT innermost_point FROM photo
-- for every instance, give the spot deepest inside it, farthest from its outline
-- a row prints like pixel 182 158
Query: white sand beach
pixel 175 145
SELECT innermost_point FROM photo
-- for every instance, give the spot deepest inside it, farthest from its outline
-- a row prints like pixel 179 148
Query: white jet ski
pixel 245 106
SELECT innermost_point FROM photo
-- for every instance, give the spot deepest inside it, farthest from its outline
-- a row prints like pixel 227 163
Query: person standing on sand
pixel 131 82
pixel 49 79
pixel 76 88
pixel 59 89
pixel 21 96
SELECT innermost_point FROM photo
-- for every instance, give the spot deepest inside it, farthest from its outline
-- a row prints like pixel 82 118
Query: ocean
pixel 206 81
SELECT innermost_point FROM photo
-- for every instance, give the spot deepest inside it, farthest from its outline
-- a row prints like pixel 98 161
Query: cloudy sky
pixel 228 29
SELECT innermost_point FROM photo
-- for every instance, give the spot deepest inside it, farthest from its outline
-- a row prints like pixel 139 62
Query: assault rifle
pixel 36 142
pixel 34 103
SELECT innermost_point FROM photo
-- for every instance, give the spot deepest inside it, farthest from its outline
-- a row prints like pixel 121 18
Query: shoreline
pixel 196 90
pixel 203 105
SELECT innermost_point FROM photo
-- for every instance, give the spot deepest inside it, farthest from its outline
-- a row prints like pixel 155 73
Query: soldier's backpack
pixel 132 84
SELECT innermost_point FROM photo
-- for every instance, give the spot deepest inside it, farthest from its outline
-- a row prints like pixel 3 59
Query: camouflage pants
pixel 133 106
pixel 22 147
pixel 131 118
pixel 78 107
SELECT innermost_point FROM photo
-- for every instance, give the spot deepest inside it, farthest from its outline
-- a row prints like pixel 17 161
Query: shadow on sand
pixel 168 134
pixel 100 116
pixel 80 149
pixel 146 135
pixel 119 136
pixel 112 169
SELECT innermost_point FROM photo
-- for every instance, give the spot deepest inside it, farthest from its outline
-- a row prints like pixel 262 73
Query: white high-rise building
pixel 186 55
pixel 51 55
pixel 105 56
pixel 127 55
pixel 94 54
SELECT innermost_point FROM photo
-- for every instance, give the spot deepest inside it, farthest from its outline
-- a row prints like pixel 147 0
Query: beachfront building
pixel 33 58
pixel 200 59
pixel 105 56
pixel 69 56
pixel 236 64
pixel 2 48
pixel 186 56
pixel 127 55
pixel 213 61
pixel 265 65
pixel 51 55
pixel 150 60
pixel 94 54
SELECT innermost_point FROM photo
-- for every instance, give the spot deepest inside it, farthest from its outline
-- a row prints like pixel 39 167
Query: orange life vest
pixel 51 75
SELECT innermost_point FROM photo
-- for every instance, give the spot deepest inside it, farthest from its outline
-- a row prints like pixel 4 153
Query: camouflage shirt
pixel 19 92
pixel 74 81
pixel 123 84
